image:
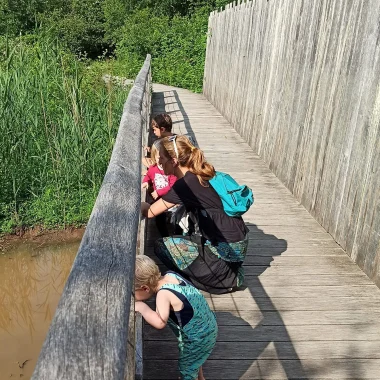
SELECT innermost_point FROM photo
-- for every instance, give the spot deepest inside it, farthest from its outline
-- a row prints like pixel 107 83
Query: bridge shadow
pixel 181 122
pixel 250 332
pixel 246 334
pixel 253 341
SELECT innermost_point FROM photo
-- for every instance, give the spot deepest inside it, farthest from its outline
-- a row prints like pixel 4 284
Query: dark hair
pixel 189 156
pixel 163 120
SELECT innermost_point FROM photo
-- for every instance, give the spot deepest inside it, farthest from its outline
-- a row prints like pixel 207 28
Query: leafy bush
pixel 177 46
pixel 58 120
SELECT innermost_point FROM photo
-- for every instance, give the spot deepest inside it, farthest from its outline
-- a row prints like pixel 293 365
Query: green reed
pixel 58 122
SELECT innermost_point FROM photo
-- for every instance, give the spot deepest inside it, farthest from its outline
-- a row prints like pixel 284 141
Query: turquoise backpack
pixel 236 199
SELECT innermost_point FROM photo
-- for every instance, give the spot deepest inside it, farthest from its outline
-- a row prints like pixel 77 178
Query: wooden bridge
pixel 308 311
pixel 302 89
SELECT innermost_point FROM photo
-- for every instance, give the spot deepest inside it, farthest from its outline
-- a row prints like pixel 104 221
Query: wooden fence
pixel 92 334
pixel 300 81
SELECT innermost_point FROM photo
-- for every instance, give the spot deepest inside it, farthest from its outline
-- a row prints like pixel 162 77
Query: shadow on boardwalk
pixel 246 336
pixel 179 110
pixel 332 318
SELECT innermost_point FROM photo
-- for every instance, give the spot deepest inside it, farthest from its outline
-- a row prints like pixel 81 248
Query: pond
pixel 32 277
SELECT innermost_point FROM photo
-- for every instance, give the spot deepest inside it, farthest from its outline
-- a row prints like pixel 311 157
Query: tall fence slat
pixel 300 81
pixel 90 336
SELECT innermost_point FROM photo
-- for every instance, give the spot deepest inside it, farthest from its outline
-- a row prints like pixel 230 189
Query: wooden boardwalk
pixel 308 311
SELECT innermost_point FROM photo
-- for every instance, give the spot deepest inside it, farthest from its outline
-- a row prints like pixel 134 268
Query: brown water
pixel 31 282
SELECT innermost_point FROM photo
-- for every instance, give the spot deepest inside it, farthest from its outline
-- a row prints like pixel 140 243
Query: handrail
pixel 89 337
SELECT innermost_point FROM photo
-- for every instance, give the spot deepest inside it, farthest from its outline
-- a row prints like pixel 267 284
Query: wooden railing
pixel 92 334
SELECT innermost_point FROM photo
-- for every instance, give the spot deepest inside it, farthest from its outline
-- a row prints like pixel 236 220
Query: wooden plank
pixel 239 350
pixel 295 251
pixel 139 323
pixel 289 318
pixel 302 333
pixel 301 291
pixel 305 280
pixel 258 270
pixel 368 369
pixel 285 261
pixel 292 304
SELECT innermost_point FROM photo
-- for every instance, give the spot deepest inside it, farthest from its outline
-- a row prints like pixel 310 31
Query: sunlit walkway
pixel 309 312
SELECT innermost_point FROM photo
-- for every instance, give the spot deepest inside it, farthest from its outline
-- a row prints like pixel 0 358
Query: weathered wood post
pixel 89 337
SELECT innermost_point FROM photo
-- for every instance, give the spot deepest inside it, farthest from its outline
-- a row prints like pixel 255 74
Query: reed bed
pixel 58 122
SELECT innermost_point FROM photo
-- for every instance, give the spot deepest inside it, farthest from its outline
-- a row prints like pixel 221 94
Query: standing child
pixel 184 308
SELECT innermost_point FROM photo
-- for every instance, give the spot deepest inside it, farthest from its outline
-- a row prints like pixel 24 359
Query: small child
pixel 184 308
pixel 162 125
pixel 155 176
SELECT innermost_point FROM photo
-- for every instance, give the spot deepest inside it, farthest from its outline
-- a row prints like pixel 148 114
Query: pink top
pixel 161 182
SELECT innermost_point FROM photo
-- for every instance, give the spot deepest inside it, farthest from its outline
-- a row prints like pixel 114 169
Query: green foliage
pixel 58 123
pixel 21 16
pixel 115 13
pixel 57 118
pixel 89 27
pixel 177 46
pixel 80 27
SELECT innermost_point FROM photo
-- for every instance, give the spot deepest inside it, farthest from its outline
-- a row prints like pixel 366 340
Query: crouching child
pixel 180 305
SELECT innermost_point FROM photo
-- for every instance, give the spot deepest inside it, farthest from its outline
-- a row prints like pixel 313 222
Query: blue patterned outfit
pixel 194 326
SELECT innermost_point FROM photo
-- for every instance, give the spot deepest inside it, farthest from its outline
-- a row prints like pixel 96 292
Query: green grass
pixel 58 122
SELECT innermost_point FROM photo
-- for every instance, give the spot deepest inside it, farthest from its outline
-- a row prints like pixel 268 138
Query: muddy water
pixel 31 282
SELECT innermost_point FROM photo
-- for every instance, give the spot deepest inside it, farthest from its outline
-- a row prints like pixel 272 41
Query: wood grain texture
pixel 137 318
pixel 280 350
pixel 92 334
pixel 269 369
pixel 308 311
pixel 300 83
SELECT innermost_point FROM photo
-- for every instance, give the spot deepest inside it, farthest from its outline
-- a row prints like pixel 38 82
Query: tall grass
pixel 58 122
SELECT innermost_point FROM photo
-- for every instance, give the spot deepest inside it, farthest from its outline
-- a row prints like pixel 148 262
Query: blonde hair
pixel 146 273
pixel 189 156
pixel 154 152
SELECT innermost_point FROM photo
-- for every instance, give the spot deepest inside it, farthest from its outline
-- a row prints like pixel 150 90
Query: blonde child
pixel 184 308
pixel 161 184
pixel 156 177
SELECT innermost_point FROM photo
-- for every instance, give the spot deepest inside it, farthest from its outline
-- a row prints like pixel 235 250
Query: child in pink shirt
pixel 161 183
pixel 156 177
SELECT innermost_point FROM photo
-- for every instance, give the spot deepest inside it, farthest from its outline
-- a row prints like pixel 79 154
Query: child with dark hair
pixel 161 127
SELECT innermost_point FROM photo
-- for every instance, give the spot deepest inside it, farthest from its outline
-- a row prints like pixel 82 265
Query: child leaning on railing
pixel 156 177
pixel 183 307
pixel 158 184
